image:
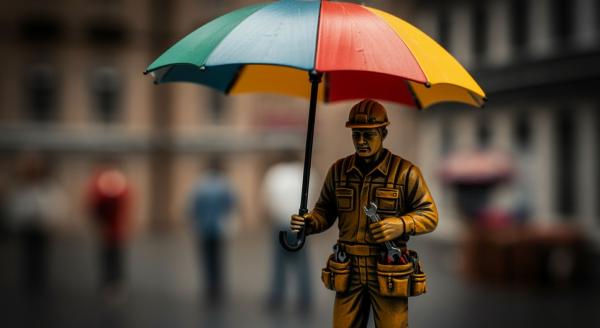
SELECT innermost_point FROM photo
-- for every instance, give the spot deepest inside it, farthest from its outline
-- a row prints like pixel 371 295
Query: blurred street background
pixel 104 177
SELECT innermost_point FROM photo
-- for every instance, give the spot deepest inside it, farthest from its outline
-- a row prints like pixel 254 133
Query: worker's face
pixel 368 142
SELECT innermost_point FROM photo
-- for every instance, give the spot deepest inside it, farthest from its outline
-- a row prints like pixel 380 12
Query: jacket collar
pixel 382 167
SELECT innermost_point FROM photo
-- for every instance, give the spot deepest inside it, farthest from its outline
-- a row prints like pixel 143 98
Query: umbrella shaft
pixel 315 79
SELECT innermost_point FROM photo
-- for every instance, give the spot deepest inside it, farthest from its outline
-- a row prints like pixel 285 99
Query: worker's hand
pixel 298 222
pixel 387 229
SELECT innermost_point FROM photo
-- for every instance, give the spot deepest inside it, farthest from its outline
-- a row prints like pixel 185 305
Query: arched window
pixel 41 85
pixel 106 88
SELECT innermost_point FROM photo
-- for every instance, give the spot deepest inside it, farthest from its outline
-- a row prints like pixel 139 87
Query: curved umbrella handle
pixel 314 78
pixel 300 237
pixel 292 247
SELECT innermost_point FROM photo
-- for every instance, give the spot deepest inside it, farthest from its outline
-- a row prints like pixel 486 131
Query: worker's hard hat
pixel 367 114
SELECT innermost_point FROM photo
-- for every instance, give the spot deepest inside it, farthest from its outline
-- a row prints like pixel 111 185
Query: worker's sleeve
pixel 422 215
pixel 325 211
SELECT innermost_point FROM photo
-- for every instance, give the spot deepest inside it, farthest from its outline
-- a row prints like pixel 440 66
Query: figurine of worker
pixel 372 178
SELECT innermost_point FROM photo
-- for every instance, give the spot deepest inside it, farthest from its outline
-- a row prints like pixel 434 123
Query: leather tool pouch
pixel 402 280
pixel 418 284
pixel 336 276
pixel 394 279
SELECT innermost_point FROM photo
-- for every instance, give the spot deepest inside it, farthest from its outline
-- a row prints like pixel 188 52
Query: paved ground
pixel 164 285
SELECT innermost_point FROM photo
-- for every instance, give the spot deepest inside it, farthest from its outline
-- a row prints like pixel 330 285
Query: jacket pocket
pixel 387 200
pixel 394 279
pixel 336 276
pixel 345 199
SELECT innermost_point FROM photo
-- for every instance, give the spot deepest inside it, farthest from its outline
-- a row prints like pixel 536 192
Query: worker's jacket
pixel 395 185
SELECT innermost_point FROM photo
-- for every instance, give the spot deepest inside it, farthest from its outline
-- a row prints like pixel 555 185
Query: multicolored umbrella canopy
pixel 362 52
pixel 357 51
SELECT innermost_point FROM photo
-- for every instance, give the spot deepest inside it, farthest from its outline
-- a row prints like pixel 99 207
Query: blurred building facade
pixel 72 86
pixel 73 89
pixel 537 60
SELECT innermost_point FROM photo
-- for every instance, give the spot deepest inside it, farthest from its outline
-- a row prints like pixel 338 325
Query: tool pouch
pixel 394 279
pixel 418 284
pixel 336 276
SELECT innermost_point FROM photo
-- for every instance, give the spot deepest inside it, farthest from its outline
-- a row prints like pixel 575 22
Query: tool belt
pixel 394 280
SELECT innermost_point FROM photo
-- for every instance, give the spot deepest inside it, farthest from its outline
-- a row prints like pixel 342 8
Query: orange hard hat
pixel 367 114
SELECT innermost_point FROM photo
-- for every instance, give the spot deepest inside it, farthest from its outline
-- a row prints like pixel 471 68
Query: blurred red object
pixel 109 204
pixel 495 219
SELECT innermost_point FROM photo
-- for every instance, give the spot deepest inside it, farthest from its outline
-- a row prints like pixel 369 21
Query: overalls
pixel 399 190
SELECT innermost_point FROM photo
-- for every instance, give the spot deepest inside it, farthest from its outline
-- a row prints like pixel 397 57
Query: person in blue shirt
pixel 212 201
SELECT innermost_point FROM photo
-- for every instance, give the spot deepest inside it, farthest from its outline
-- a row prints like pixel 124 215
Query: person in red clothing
pixel 109 201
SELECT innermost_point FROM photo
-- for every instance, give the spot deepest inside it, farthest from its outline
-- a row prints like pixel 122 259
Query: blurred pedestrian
pixel 212 201
pixel 282 188
pixel 109 203
pixel 34 206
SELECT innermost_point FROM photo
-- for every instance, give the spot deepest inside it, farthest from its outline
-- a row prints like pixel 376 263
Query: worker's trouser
pixel 351 308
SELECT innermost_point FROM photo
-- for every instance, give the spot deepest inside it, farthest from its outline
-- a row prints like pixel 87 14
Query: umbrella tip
pixel 428 84
pixel 203 68
pixel 483 102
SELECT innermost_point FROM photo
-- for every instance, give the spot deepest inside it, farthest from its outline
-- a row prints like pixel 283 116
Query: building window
pixel 480 29
pixel 216 106
pixel 41 29
pixel 444 26
pixel 41 84
pixel 565 163
pixel 447 142
pixel 519 13
pixel 484 133
pixel 106 31
pixel 106 93
pixel 562 20
pixel 522 132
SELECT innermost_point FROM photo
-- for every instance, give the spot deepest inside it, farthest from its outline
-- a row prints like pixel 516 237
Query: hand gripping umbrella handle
pixel 300 237
pixel 314 78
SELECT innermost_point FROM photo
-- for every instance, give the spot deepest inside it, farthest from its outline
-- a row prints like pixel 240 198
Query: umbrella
pixel 357 51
